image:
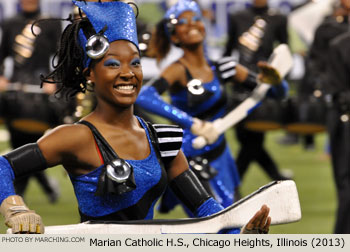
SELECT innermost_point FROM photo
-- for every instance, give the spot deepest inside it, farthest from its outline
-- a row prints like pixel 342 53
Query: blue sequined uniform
pixel 227 179
pixel 139 203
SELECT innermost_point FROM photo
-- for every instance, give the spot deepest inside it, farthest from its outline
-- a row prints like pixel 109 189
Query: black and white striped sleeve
pixel 226 67
pixel 169 139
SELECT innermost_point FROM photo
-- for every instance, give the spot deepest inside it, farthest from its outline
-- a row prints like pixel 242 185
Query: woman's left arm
pixel 191 192
pixel 189 189
pixel 229 70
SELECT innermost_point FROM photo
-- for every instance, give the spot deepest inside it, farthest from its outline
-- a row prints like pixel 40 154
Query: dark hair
pixel 160 43
pixel 68 71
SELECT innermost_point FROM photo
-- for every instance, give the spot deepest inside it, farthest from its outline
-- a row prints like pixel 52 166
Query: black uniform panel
pixel 276 30
pixel 338 79
pixel 338 84
pixel 40 48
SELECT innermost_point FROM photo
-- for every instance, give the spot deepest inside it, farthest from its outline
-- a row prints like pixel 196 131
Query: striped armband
pixel 226 67
pixel 169 140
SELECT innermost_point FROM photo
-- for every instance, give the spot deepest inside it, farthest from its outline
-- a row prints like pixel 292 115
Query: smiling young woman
pixel 119 165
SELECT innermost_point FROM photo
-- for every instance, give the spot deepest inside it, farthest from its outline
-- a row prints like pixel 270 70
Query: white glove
pixel 205 129
pixel 19 217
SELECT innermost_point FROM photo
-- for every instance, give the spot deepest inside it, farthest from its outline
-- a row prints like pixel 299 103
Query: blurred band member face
pixel 346 4
pixel 260 3
pixel 29 5
pixel 190 29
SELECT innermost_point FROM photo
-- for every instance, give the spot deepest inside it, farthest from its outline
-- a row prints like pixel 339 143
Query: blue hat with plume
pixel 113 20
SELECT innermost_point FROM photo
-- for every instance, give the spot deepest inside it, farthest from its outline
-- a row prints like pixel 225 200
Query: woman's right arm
pixel 24 161
pixel 150 99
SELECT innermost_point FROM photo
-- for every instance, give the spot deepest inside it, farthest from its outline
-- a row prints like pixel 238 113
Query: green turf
pixel 150 13
pixel 314 179
pixel 312 172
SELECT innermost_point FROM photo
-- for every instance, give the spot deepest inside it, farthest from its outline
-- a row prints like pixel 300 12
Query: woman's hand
pixel 49 88
pixel 259 224
pixel 19 217
pixel 205 129
pixel 4 83
pixel 268 74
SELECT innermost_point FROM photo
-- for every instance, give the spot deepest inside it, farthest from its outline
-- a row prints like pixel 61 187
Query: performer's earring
pixel 90 85
pixel 176 41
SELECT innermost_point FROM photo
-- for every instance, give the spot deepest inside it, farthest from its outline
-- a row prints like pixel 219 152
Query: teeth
pixel 125 87
pixel 193 32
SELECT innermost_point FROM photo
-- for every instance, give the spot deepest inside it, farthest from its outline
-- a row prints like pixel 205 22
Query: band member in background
pixel 337 84
pixel 198 97
pixel 31 57
pixel 253 33
pixel 119 164
pixel 317 58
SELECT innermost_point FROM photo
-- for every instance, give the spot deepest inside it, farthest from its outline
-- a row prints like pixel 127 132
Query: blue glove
pixel 210 207
pixel 6 182
pixel 279 91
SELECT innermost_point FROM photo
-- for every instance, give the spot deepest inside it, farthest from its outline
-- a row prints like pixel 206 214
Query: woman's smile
pixel 125 88
pixel 194 32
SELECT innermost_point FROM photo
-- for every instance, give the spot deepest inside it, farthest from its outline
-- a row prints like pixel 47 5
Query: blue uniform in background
pixel 209 105
pixel 218 154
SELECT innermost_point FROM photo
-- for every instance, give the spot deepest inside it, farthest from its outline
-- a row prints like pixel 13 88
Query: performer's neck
pixel 260 10
pixel 31 15
pixel 195 55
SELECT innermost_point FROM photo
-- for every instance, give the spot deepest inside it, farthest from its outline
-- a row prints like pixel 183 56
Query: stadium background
pixel 312 170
